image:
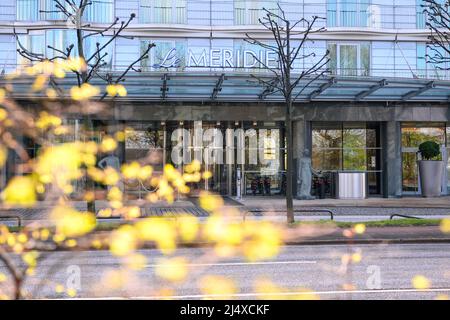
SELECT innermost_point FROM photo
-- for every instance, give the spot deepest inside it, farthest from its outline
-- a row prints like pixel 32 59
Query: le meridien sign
pixel 216 58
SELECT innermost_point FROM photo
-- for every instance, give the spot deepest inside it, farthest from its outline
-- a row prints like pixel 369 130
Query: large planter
pixel 431 177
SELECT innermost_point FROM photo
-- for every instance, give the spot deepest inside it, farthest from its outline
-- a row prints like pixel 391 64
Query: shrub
pixel 429 150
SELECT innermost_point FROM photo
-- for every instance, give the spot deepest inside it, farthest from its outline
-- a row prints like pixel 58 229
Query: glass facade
pixel 413 134
pixel 44 42
pixel 256 149
pixel 249 12
pixel 348 13
pixel 349 59
pixel 162 11
pixel 347 146
pixel 100 11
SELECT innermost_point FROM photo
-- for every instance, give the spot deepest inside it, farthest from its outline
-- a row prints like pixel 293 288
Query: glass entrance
pixel 349 147
pixel 413 134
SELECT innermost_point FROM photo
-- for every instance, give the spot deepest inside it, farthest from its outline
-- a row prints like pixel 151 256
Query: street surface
pixel 385 272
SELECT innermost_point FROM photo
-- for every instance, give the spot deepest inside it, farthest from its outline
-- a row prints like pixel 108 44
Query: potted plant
pixel 430 169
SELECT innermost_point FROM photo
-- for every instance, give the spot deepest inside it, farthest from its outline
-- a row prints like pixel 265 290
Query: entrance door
pixel 413 134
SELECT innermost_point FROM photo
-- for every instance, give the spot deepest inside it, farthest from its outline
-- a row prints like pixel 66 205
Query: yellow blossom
pixel 136 261
pixel 3 155
pixel 123 241
pixel 39 82
pixel 158 230
pixel 359 228
pixel 111 177
pixel 445 225
pixel 108 144
pixel 217 287
pixel 172 269
pixel 20 191
pixel 3 114
pixel 210 202
pixel 84 92
pixel 72 223
pixel 131 170
pixel 420 282
pixel 47 120
pixel 188 227
pixel 2 95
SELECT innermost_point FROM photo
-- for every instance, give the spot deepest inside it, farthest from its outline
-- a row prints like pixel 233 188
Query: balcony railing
pixel 231 12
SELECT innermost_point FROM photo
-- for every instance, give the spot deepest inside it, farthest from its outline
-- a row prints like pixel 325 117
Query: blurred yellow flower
pixel 172 269
pixel 123 241
pixel 30 258
pixel 445 225
pixel 3 155
pixel 108 144
pixel 420 282
pixel 210 202
pixel 188 227
pixel 60 164
pixel 72 223
pixel 111 176
pixel 20 191
pixel 84 92
pixel 217 286
pixel 47 120
pixel 161 231
pixel 3 114
pixel 359 228
pixel 39 82
pixel 131 170
pixel 136 261
pixel 2 96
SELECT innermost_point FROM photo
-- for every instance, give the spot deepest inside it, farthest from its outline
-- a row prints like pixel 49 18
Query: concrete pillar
pixel 392 164
pixel 301 141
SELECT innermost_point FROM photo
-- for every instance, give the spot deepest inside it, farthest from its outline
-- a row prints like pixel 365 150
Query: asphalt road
pixel 385 272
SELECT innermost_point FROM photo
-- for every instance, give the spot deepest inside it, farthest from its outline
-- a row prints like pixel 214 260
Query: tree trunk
pixel 290 165
pixel 87 121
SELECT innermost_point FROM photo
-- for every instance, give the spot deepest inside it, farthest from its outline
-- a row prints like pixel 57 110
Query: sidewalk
pixel 405 202
pixel 381 235
pixel 274 208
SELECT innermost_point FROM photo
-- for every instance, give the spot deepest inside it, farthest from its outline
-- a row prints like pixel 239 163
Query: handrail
pixel 403 216
pixel 19 219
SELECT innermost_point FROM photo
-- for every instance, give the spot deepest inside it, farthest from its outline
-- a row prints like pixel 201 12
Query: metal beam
pixel 415 93
pixel 218 86
pixel 164 87
pixel 371 90
pixel 322 88
pixel 269 89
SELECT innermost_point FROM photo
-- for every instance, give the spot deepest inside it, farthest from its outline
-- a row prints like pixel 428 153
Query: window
pixel 348 13
pixel 60 40
pixel 32 42
pixel 432 70
pixel 100 11
pixel 349 59
pixel 413 134
pixel 348 146
pixel 28 10
pixel 249 12
pixel 166 55
pixel 163 11
pixel 90 47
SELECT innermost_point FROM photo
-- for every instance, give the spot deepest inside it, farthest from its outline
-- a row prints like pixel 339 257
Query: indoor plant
pixel 430 169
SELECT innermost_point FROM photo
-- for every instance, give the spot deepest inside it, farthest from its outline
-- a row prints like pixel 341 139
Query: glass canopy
pixel 235 87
